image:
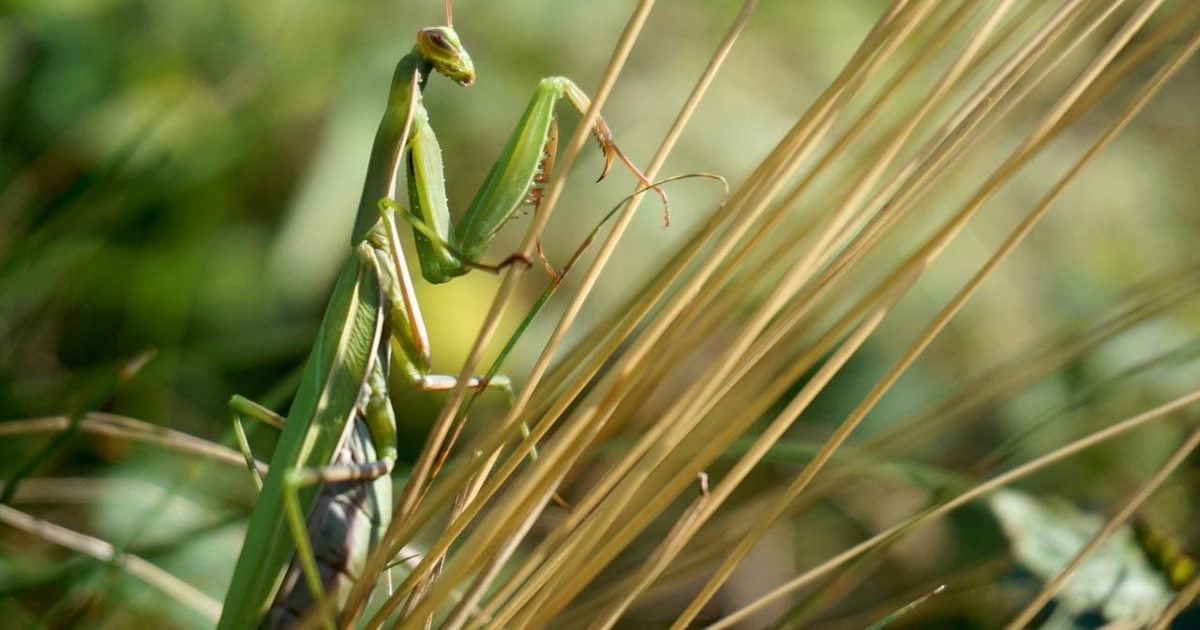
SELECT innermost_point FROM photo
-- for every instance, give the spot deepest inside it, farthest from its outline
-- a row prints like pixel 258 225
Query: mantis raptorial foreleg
pixel 413 349
pixel 512 182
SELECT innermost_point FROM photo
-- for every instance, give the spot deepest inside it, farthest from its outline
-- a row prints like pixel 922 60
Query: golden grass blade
pixel 790 284
pixel 851 347
pixel 793 300
pixel 926 337
pixel 170 585
pixel 1025 617
pixel 112 425
pixel 566 561
pixel 1153 300
pixel 980 490
pixel 671 545
pixel 1186 597
pixel 573 309
pixel 593 423
pixel 407 503
pixel 906 609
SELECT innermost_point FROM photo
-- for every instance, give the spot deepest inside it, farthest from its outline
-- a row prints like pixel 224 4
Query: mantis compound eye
pixel 439 38
pixel 439 41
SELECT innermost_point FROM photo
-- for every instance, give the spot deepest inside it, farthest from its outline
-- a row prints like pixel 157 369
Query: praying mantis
pixel 327 495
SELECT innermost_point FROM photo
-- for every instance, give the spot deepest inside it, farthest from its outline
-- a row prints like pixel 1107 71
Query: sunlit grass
pixel 968 254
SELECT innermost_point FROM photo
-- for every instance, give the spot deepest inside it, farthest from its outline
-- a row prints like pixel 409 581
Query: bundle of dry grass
pixel 796 420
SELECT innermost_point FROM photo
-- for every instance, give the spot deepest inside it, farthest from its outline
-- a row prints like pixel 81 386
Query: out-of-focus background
pixel 182 176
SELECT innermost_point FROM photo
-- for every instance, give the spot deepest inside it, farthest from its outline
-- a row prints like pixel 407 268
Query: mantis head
pixel 439 45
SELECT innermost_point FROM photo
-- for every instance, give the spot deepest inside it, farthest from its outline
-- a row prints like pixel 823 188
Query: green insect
pixel 327 496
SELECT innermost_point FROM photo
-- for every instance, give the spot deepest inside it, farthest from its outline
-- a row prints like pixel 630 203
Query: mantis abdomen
pixel 344 525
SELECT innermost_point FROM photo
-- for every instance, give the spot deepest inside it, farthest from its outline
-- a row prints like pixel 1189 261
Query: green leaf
pixel 1117 579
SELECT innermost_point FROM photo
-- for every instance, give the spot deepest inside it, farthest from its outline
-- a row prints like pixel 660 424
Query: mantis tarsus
pixel 329 481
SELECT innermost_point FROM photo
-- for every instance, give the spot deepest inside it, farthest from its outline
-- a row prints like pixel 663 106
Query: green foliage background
pixel 181 175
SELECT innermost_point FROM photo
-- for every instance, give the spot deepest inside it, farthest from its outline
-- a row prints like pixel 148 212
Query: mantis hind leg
pixel 330 540
pixel 446 382
pixel 349 516
pixel 241 407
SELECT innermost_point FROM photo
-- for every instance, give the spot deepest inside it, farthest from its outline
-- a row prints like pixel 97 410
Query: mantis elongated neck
pixel 389 141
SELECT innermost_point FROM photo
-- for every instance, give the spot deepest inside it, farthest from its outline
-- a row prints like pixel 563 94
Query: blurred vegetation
pixel 181 176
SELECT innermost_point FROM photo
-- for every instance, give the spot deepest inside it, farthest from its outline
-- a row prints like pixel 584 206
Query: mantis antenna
pixel 450 13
